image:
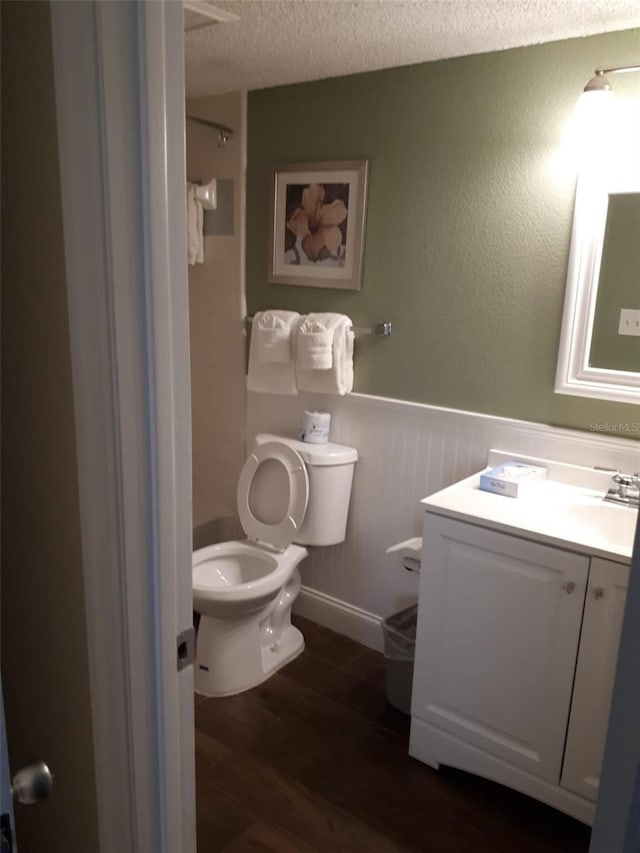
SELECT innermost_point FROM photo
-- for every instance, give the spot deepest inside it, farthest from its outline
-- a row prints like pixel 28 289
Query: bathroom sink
pixel 613 525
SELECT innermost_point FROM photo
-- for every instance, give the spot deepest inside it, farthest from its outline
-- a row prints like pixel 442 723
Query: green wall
pixel 468 223
pixel 618 285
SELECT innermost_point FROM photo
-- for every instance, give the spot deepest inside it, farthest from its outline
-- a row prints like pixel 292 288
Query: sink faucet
pixel 626 490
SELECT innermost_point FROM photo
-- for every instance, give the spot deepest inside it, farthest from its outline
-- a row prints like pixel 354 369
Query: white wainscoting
pixel 406 451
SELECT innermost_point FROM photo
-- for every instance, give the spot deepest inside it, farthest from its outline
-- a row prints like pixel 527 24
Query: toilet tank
pixel 330 469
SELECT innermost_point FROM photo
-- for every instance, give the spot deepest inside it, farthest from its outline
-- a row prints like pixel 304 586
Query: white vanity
pixel 519 619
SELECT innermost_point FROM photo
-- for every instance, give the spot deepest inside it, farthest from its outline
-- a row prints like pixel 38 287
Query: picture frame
pixel 317 222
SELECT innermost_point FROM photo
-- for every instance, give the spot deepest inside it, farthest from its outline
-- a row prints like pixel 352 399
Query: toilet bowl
pixel 244 589
pixel 244 594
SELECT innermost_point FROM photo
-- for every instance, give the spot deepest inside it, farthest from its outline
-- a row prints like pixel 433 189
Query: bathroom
pixel 468 227
pixel 469 213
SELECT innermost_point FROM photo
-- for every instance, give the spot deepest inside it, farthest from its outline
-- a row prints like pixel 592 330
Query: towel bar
pixel 382 329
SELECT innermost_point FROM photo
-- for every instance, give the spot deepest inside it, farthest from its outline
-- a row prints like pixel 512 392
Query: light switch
pixel 629 322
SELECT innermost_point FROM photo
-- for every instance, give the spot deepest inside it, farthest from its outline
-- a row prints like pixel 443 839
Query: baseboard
pixel 340 616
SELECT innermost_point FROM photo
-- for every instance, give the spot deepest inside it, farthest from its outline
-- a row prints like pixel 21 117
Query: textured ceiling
pixel 275 42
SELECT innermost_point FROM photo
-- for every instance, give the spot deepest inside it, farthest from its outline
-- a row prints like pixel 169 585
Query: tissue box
pixel 511 478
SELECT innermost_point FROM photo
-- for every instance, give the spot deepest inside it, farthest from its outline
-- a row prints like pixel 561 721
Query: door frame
pixel 119 79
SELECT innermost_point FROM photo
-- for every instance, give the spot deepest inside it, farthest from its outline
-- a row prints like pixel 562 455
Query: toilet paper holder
pixel 414 547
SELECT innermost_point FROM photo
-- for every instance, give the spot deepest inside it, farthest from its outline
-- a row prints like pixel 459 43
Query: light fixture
pixel 597 120
pixel 599 82
pixel 601 137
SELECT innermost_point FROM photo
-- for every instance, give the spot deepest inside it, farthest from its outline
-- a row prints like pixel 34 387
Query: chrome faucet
pixel 626 490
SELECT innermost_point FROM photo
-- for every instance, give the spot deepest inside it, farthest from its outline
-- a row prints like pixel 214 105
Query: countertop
pixel 566 510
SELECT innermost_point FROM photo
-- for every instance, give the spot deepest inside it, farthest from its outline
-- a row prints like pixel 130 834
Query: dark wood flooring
pixel 316 760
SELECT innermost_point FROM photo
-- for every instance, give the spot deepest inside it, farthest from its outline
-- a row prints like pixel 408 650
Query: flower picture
pixel 316 229
pixel 318 225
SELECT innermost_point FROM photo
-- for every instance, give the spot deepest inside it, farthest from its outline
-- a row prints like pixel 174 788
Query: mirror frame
pixel 574 376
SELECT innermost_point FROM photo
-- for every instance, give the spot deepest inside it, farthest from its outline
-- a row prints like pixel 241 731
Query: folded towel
pixel 195 227
pixel 315 341
pixel 338 378
pixel 272 377
pixel 272 335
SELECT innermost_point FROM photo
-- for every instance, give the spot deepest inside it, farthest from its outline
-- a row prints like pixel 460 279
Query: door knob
pixel 568 587
pixel 32 783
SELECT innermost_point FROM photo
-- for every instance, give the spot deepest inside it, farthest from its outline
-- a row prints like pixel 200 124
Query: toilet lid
pixel 281 533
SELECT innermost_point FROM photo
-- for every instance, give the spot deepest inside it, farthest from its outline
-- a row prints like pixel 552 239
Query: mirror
pixel 599 353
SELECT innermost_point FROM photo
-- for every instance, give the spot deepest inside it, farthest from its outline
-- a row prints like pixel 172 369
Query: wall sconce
pixel 602 129
pixel 597 96
pixel 599 82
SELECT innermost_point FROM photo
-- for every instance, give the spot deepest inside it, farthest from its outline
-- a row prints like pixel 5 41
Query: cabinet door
pixel 597 658
pixel 498 627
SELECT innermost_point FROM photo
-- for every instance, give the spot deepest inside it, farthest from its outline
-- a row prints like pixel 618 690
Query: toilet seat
pixel 279 535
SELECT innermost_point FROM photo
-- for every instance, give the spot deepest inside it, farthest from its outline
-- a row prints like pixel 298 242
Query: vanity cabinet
pixel 500 629
pixel 595 672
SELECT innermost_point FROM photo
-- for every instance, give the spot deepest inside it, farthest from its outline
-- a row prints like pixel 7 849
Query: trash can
pixel 399 632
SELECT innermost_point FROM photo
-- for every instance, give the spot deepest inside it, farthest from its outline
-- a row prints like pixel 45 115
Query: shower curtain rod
pixel 224 133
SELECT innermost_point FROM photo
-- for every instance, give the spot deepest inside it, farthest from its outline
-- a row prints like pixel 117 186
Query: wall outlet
pixel 629 322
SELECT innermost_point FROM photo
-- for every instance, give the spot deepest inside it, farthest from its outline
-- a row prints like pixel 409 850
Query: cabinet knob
pixel 568 587
pixel 598 592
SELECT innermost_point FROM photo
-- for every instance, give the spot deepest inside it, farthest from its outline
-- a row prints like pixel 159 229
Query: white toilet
pixel 288 492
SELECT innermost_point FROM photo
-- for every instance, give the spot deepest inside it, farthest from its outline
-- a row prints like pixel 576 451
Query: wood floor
pixel 316 760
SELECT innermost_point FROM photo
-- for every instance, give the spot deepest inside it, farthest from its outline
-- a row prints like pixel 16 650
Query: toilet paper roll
pixel 315 427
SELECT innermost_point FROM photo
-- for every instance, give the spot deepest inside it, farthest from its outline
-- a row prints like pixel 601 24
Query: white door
pixel 597 658
pixel 498 627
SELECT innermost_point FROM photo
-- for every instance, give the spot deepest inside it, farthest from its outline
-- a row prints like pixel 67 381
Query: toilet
pixel 290 494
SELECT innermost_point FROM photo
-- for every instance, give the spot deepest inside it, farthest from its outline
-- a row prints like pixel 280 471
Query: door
pixel 7 827
pixel 30 785
pixel 498 627
pixel 597 658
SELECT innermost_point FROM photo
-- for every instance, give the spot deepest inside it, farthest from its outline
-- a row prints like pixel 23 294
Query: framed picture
pixel 317 224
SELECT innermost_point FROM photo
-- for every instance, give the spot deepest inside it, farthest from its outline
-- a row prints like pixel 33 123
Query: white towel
pixel 338 379
pixel 272 377
pixel 195 224
pixel 272 335
pixel 315 341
